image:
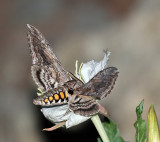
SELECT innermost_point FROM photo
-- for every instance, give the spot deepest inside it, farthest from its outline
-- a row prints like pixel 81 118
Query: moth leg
pixel 55 126
pixel 40 93
pixel 103 111
pixel 39 89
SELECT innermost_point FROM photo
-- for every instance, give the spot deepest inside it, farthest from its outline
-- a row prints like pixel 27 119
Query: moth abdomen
pixel 52 98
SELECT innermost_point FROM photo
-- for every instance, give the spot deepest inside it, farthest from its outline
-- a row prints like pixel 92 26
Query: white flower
pixel 91 68
pixel 58 114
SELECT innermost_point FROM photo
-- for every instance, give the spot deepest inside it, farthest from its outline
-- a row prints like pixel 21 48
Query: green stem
pixel 98 124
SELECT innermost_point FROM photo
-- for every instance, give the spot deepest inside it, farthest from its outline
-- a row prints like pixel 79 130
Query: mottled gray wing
pixel 46 69
pixel 83 105
pixel 101 84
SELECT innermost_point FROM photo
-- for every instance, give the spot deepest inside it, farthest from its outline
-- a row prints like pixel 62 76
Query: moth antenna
pixel 80 75
pixel 76 65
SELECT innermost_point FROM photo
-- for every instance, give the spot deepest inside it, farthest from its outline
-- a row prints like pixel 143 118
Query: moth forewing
pixel 47 71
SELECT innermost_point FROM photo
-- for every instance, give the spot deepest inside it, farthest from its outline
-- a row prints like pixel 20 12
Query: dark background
pixel 79 29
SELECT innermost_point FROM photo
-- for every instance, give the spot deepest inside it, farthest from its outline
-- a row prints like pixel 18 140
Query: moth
pixel 61 87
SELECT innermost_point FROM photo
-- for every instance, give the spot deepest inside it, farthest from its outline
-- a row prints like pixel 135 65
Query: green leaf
pixel 140 124
pixel 99 140
pixel 112 132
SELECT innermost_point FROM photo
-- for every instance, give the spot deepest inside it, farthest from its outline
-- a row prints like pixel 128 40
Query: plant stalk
pixel 98 124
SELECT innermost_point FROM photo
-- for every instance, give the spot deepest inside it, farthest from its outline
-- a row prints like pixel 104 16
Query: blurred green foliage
pixel 140 124
pixel 112 132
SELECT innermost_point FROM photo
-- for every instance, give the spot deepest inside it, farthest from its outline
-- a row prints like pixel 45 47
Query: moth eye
pixel 70 91
pixel 62 95
pixel 56 97
pixel 51 98
pixel 46 100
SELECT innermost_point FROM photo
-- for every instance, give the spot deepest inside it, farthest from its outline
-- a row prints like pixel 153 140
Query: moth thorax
pixel 72 85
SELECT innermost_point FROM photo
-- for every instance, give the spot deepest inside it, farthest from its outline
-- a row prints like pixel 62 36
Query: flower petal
pixel 91 68
pixel 56 113
pixel 75 119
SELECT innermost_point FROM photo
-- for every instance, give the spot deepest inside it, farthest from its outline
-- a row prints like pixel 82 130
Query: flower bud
pixel 153 130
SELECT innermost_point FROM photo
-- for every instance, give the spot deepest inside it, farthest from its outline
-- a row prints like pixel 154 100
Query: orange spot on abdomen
pixel 62 95
pixel 46 100
pixel 51 98
pixel 66 94
pixel 56 97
